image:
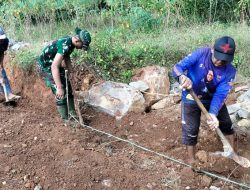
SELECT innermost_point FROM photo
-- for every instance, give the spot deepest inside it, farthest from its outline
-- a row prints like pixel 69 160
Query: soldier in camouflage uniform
pixel 53 61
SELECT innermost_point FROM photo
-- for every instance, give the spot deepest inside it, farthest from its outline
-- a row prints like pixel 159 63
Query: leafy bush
pixel 129 34
pixel 25 59
pixel 142 20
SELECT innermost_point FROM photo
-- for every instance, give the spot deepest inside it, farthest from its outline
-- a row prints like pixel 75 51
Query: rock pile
pixel 240 111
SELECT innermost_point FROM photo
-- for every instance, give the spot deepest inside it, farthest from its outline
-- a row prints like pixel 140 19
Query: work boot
pixel 72 111
pixel 63 111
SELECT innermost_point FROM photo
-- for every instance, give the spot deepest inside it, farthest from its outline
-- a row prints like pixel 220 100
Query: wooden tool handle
pixel 200 105
pixel 207 115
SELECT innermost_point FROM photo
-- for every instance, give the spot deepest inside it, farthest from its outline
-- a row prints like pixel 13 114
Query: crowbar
pixel 67 91
pixel 228 150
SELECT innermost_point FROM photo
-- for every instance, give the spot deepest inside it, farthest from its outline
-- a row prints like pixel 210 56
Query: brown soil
pixel 36 147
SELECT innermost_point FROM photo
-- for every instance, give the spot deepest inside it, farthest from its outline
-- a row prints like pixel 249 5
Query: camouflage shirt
pixel 62 46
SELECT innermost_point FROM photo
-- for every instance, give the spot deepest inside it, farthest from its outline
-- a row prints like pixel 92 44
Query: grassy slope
pixel 118 52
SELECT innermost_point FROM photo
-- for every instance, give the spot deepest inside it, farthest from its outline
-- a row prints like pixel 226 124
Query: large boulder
pixel 115 99
pixel 157 79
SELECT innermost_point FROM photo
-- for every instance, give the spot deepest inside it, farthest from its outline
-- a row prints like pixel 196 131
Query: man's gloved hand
pixel 185 82
pixel 214 123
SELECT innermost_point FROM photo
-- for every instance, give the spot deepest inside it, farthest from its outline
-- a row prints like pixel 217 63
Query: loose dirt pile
pixel 36 147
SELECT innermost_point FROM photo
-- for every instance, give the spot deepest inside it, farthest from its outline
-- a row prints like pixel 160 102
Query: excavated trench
pixel 38 148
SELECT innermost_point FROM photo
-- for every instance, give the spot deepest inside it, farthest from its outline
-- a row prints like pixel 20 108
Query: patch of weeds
pixel 172 180
pixel 25 59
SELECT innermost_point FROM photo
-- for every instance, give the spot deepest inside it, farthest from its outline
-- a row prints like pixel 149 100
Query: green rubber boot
pixel 63 111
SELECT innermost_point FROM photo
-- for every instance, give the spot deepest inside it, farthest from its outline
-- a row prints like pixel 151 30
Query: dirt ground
pixel 36 147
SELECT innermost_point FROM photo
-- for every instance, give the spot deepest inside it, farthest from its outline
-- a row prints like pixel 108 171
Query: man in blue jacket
pixel 4 42
pixel 209 71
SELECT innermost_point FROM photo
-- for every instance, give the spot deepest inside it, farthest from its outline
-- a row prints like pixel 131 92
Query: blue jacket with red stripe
pixel 211 84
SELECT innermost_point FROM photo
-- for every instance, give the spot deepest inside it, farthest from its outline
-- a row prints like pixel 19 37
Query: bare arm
pixel 56 75
pixel 55 69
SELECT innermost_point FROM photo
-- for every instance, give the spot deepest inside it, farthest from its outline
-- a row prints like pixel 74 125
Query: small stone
pixel 131 123
pixel 244 123
pixel 154 184
pixel 202 156
pixel 106 183
pixel 26 177
pixel 28 185
pixel 36 180
pixel 4 183
pixel 214 188
pixel 244 113
pixel 154 126
pixel 241 88
pixel 168 165
pixel 7 146
pixel 38 187
pixel 14 171
pixel 233 108
pixel 35 138
pixel 187 188
pixel 24 145
pixel 206 181
pixel 149 186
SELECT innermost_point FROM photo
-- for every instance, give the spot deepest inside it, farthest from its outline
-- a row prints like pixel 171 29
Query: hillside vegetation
pixel 129 34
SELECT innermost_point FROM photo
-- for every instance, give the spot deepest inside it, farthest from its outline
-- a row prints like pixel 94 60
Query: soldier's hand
pixel 59 93
pixel 214 123
pixel 185 82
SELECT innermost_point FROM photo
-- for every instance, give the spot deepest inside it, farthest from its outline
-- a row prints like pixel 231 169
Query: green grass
pixel 117 52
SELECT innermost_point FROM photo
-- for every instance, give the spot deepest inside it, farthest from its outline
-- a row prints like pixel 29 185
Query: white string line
pixel 163 155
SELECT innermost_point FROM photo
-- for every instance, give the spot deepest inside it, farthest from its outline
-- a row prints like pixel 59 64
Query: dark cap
pixel 224 48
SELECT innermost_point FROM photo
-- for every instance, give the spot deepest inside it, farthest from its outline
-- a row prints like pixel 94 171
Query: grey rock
pixel 163 103
pixel 233 108
pixel 214 188
pixel 19 45
pixel 245 97
pixel 115 99
pixel 244 123
pixel 38 187
pixel 175 88
pixel 244 113
pixel 234 117
pixel 139 85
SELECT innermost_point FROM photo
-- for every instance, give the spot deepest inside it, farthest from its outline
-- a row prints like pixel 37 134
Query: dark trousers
pixel 191 115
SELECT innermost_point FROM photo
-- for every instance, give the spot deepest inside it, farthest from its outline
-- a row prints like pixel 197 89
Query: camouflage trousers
pixel 46 75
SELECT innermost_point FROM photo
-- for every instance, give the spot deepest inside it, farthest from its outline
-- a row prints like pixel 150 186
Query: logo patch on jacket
pixel 210 75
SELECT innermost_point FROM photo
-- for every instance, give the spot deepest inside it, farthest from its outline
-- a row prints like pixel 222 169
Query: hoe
pixel 228 150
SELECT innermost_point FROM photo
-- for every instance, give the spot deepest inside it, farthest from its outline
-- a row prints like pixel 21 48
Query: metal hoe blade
pixel 228 150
